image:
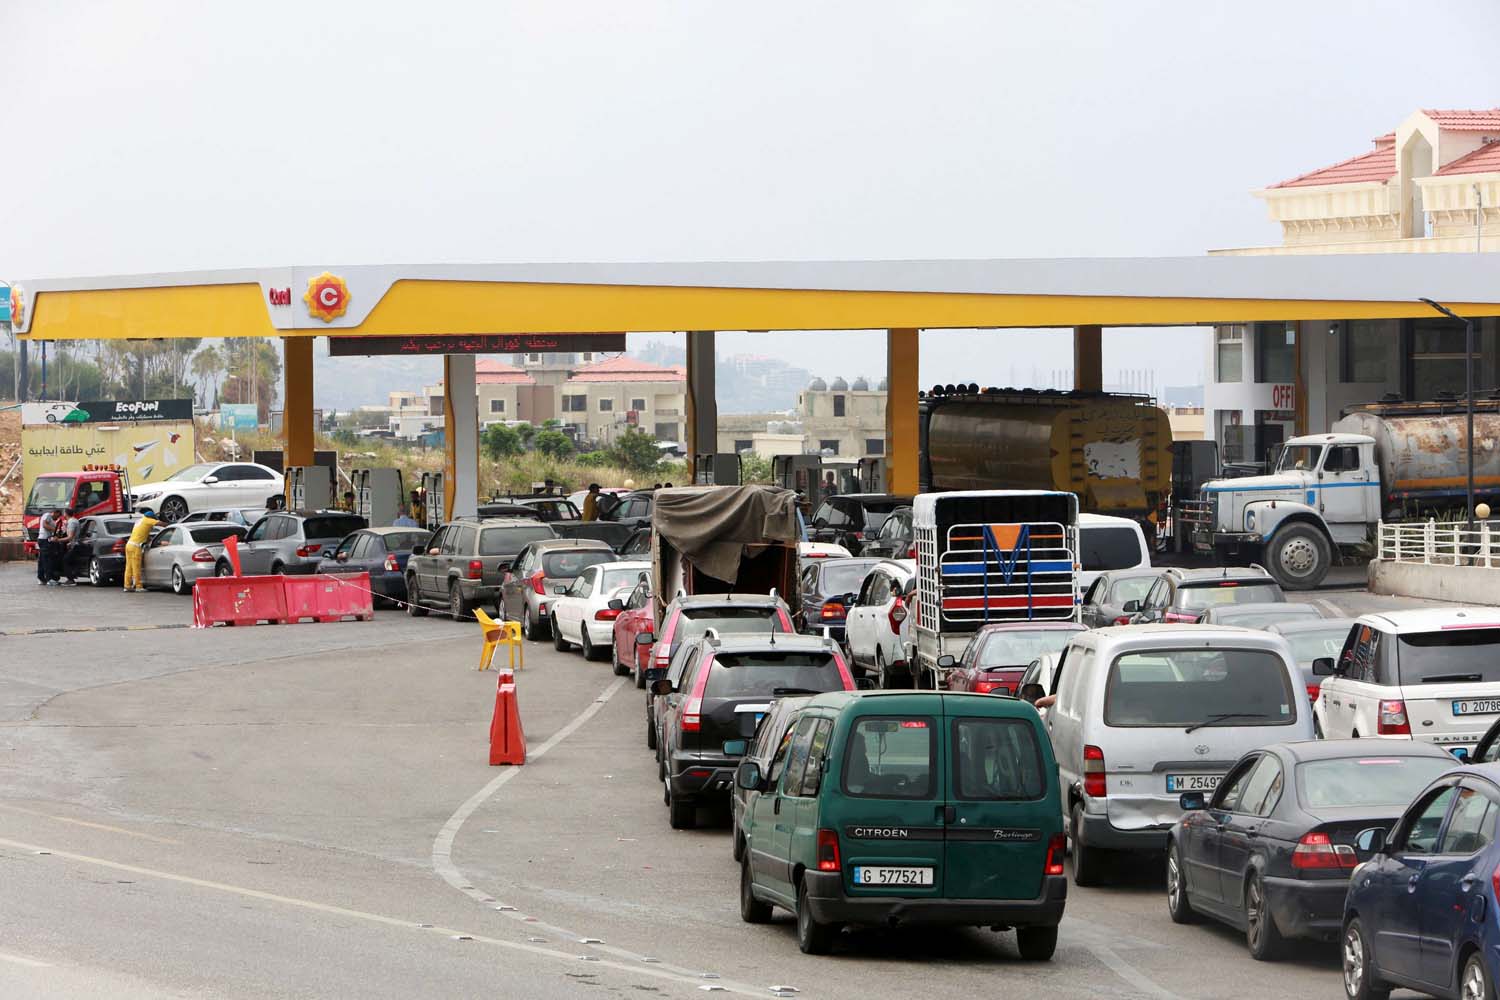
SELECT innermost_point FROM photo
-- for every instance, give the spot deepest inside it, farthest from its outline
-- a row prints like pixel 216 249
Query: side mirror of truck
pixel 645 639
pixel 748 777
pixel 946 661
pixel 1130 607
pixel 1323 667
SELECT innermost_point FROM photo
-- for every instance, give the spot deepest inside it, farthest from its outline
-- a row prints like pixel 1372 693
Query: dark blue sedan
pixel 1422 912
pixel 381 552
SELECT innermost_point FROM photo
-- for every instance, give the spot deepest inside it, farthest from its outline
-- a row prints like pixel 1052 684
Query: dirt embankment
pixel 10 452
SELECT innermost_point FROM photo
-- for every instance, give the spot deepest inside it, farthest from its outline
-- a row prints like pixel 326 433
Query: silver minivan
pixel 1145 713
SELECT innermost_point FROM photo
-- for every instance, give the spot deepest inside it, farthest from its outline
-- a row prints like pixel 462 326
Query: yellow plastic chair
pixel 496 634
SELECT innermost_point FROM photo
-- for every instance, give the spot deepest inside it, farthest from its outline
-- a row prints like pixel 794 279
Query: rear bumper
pixel 830 905
pixel 601 633
pixel 1098 831
pixel 1307 909
pixel 695 776
pixel 476 593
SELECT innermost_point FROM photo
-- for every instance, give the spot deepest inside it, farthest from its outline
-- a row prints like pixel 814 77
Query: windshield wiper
pixel 1451 678
pixel 1215 719
pixel 784 692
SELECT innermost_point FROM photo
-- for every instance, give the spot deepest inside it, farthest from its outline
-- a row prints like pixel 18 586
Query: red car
pixel 634 620
pixel 997 656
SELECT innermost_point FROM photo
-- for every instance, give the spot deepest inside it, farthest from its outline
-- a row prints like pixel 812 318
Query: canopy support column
pixel 1088 359
pixel 297 428
pixel 460 437
pixel 902 447
pixel 702 399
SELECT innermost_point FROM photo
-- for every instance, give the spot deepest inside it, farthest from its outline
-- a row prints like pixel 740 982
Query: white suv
pixel 1431 675
pixel 875 627
pixel 209 486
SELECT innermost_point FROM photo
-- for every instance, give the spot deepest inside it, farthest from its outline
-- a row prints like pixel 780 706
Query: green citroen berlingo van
pixel 889 808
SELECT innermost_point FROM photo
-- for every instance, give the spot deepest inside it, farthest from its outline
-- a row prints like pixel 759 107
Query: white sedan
pixel 209 486
pixel 878 622
pixel 581 614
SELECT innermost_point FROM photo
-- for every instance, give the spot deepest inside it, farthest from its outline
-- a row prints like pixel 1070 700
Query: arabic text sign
pixel 106 411
pixel 150 451
pixel 478 343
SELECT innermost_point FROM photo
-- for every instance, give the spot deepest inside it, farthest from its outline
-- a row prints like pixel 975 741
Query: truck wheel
pixel 1299 557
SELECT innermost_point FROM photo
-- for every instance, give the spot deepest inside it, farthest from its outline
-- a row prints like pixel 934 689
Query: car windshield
pixel 1366 781
pixel 759 674
pixel 1261 617
pixel 613 578
pixel 1018 648
pixel 1109 548
pixel 404 541
pixel 569 563
pixel 506 541
pixel 844 576
pixel 1191 687
pixel 1317 643
pixel 1202 596
pixel 693 622
pixel 1299 458
pixel 193 472
pixel 207 534
pixel 1469 654
pixel 331 525
pixel 1132 588
pixel 50 493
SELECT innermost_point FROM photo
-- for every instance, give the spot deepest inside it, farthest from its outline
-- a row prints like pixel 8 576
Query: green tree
pixel 594 459
pixel 754 468
pixel 500 441
pixel 635 450
pixel 526 432
pixel 553 444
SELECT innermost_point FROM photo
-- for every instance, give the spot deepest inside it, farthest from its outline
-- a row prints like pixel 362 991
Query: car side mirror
pixel 747 776
pixel 865 684
pixel 419 549
pixel 946 661
pixel 662 687
pixel 1130 607
pixel 1191 801
pixel 433 552
pixel 615 604
pixel 645 639
pixel 210 480
pixel 342 557
pixel 736 748
pixel 559 589
pixel 1371 840
pixel 1032 693
pixel 1323 666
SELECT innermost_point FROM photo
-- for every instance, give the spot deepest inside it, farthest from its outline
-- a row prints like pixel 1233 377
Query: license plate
pixel 870 875
pixel 1477 706
pixel 1192 782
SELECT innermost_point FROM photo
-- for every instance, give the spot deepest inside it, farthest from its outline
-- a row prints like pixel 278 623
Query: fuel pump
pixel 378 495
pixel 309 487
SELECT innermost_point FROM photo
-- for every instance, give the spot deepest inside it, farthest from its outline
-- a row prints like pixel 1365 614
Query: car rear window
pixel 844 576
pixel 119 527
pixel 1467 655
pixel 891 758
pixel 1366 781
pixel 764 674
pixel 1190 687
pixel 331 526
pixel 405 541
pixel 1019 648
pixel 1202 596
pixel 1317 643
pixel 508 541
pixel 693 622
pixel 1261 617
pixel 1109 548
pixel 567 564
pixel 996 759
pixel 1132 588
pixel 613 578
pixel 209 533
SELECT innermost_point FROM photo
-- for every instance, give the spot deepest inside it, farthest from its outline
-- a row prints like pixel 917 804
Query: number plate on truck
pixel 872 875
pixel 1477 706
pixel 1192 782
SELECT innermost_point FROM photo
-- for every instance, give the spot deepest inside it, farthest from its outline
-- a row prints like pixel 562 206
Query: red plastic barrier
pixel 328 598
pixel 238 600
pixel 507 740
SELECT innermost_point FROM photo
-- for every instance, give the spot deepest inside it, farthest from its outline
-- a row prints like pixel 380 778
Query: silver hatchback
pixel 181 553
pixel 527 590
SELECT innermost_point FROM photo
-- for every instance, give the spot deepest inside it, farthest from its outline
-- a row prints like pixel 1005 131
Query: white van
pixel 1431 675
pixel 1107 543
pixel 1147 712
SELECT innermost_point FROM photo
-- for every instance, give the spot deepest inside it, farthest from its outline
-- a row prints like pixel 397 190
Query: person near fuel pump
pixel 418 507
pixel 135 547
pixel 591 503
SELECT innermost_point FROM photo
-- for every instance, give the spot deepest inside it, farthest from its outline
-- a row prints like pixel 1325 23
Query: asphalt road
pixel 307 811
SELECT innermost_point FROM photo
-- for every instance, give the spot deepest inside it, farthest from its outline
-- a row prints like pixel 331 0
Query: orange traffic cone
pixel 507 741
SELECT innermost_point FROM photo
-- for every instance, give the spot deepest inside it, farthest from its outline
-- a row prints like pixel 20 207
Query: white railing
pixel 1439 543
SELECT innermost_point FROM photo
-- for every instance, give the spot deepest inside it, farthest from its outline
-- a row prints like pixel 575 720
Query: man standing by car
pixel 404 520
pixel 591 503
pixel 46 548
pixel 418 508
pixel 135 548
pixel 69 539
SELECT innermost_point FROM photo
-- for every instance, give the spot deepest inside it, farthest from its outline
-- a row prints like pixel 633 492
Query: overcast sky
pixel 161 136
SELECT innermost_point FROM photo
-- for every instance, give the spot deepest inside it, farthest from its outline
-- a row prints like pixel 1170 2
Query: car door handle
pixel 1467 883
pixel 776 806
pixel 1411 883
pixel 947 814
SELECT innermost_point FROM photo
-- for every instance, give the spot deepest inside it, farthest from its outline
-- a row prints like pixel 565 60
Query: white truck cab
pixel 1324 497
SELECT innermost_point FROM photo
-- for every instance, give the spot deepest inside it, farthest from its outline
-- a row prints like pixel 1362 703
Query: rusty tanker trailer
pixel 1420 451
pixel 1111 449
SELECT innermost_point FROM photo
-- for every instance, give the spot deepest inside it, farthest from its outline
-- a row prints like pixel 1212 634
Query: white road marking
pixel 1334 611
pixel 23 960
pixel 92 826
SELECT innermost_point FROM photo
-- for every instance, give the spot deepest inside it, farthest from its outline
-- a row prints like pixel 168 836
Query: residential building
pixel 1430 186
pixel 838 418
pixel 606 397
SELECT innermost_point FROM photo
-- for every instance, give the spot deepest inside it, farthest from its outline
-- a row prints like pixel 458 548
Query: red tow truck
pixel 95 489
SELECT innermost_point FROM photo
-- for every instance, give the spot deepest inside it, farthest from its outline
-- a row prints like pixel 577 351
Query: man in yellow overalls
pixel 135 547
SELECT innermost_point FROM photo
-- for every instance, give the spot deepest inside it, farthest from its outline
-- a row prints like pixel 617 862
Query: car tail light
pixel 911 553
pixel 692 717
pixel 828 850
pixel 476 569
pixel 1056 848
pixel 1122 620
pixel 391 565
pixel 831 611
pixel 1176 616
pixel 1315 850
pixel 898 614
pixel 984 687
pixel 203 555
pixel 309 550
pixel 536 583
pixel 1392 719
pixel 815 555
pixel 118 546
pixel 1312 691
pixel 606 615
pixel 1093 772
pixel 1495 884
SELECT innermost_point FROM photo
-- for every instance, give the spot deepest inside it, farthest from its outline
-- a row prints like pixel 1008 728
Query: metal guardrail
pixel 1434 543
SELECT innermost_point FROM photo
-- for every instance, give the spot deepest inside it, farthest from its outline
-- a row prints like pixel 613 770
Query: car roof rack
pixel 712 635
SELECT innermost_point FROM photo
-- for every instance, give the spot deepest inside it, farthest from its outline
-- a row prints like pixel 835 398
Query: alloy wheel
pixel 179 585
pixel 1354 960
pixel 1473 985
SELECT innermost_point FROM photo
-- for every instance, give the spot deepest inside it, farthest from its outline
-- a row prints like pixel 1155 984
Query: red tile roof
pixel 624 368
pixel 488 371
pixel 1484 160
pixel 1482 120
pixel 1379 164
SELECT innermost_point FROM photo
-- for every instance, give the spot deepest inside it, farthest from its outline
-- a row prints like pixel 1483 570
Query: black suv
pixel 632 509
pixel 895 539
pixel 463 563
pixel 851 519
pixel 1183 595
pixel 727 686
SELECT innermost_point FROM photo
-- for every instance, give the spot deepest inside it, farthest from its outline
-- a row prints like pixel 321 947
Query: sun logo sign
pixel 327 297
